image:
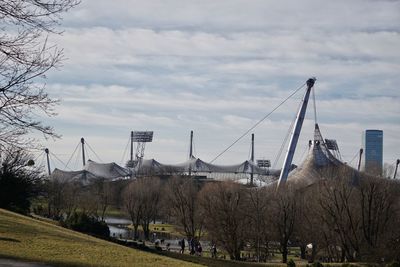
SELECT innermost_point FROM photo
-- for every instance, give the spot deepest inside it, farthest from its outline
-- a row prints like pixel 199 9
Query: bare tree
pixel 258 208
pixel 150 197
pixel 25 56
pixel 102 192
pixel 284 213
pixel 378 210
pixel 141 200
pixel 223 205
pixel 310 227
pixel 133 205
pixel 338 202
pixel 182 201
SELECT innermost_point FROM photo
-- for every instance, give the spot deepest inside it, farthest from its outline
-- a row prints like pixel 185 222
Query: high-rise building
pixel 372 143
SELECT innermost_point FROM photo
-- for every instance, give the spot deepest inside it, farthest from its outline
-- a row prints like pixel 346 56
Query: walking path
pixel 15 263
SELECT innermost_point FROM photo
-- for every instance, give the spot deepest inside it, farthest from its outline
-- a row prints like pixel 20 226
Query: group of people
pixel 195 247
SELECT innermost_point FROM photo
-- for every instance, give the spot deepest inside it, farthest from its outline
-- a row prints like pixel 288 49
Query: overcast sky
pixel 217 67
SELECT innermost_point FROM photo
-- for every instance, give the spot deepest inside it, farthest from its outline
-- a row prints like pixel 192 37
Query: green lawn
pixel 28 239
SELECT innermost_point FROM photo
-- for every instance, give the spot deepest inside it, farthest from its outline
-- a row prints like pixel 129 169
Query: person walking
pixel 214 251
pixel 182 244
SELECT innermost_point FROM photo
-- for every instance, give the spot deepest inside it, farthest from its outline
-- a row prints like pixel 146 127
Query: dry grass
pixel 28 239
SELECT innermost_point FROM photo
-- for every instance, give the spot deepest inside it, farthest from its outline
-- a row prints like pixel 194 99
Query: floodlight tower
pixel 264 164
pixel 141 138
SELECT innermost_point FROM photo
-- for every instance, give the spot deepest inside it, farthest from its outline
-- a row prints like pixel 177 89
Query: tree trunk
pixel 313 252
pixel 343 256
pixel 146 231
pixel 284 252
pixel 135 232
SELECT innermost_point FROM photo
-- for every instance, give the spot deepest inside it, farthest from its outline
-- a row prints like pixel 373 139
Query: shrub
pixel 291 263
pixel 317 264
pixel 19 180
pixel 393 264
pixel 87 224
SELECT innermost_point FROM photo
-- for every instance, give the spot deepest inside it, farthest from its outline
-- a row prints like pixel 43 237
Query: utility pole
pixel 295 135
pixel 48 160
pixel 83 150
pixel 359 159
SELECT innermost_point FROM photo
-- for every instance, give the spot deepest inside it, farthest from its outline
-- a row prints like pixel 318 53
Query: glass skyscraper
pixel 373 151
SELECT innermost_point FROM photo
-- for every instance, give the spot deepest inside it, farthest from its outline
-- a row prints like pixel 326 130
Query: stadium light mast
pixel 141 138
pixel 295 134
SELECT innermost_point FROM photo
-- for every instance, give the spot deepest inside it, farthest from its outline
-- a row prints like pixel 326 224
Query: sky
pixel 218 67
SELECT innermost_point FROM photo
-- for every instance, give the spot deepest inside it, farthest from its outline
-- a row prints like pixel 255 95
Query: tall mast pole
pixel 359 159
pixel 48 160
pixel 252 159
pixel 83 150
pixel 190 152
pixel 191 145
pixel 295 135
pixel 395 171
pixel 132 148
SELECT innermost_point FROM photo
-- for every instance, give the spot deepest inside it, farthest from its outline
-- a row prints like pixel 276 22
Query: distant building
pixel 372 143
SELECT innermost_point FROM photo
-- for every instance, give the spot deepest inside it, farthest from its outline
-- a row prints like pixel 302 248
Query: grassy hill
pixel 28 239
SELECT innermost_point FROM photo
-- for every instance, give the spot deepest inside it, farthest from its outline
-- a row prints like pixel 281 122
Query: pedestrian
pixel 199 249
pixel 192 246
pixel 182 244
pixel 214 251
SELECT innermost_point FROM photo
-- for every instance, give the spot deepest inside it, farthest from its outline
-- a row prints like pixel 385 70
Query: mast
pixel 252 159
pixel 191 145
pixel 83 150
pixel 190 152
pixel 295 134
pixel 395 171
pixel 359 159
pixel 132 148
pixel 48 160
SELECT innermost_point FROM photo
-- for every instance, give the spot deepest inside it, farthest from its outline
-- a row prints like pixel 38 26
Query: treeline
pixel 344 217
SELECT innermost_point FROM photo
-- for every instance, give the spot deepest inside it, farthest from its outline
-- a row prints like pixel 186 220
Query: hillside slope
pixel 28 239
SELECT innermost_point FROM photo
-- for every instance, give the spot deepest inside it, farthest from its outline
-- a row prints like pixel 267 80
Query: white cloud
pixel 218 66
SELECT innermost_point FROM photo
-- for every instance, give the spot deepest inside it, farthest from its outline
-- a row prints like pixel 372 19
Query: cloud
pixel 217 67
pixel 238 15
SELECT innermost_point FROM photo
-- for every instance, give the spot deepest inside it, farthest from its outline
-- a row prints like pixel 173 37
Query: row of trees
pixel 64 199
pixel 344 217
